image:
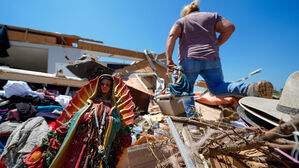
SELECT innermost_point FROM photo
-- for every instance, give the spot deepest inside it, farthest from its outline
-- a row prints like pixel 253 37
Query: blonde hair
pixel 192 7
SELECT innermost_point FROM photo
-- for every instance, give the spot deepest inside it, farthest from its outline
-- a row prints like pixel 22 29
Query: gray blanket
pixel 23 140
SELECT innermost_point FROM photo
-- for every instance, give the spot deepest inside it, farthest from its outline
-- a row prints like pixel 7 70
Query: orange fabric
pixel 35 161
pixel 211 99
pixel 35 156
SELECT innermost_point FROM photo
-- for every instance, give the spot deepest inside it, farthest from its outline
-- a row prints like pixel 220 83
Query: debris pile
pixel 160 136
pixel 216 143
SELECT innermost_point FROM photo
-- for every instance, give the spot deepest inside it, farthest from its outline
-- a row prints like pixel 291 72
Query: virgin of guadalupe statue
pixel 93 129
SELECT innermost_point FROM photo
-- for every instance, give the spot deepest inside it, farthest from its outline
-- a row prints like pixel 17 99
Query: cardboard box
pixel 171 106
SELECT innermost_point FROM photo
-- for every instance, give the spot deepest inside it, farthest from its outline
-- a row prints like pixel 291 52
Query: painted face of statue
pixel 105 86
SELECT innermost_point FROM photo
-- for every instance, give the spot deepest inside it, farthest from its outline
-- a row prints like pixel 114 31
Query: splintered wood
pixel 251 146
pixel 220 144
pixel 217 143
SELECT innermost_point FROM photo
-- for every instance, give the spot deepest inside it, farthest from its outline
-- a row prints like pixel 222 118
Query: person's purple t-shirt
pixel 198 38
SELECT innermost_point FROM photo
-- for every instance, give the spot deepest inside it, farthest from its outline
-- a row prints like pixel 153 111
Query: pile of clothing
pixel 26 117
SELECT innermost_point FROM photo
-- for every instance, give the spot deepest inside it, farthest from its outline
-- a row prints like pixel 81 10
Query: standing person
pixel 198 54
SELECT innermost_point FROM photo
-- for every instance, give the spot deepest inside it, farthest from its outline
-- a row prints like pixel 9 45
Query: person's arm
pixel 174 33
pixel 226 29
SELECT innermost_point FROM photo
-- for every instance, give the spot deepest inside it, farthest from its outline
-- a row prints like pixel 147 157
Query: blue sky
pixel 266 34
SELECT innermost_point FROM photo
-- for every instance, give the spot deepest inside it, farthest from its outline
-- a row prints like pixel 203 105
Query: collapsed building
pixel 43 57
pixel 52 61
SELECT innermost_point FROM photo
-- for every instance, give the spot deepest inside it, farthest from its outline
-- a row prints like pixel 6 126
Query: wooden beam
pixel 161 56
pixel 30 37
pixel 110 50
pixel 71 38
pixel 143 66
pixel 43 37
pixel 39 77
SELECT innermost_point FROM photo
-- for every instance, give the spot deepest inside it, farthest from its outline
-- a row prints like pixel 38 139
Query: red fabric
pixel 50 97
pixel 2 165
pixel 81 153
pixel 85 118
pixel 5 135
pixel 121 142
pixel 75 151
pixel 38 163
pixel 13 114
pixel 62 130
pixel 51 124
pixel 54 144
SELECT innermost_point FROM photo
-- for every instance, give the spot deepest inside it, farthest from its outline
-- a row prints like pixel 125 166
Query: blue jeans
pixel 211 72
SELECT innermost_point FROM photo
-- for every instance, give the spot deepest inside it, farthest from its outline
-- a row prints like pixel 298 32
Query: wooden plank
pixel 231 162
pixel 161 56
pixel 43 37
pixel 134 83
pixel 162 73
pixel 39 77
pixel 30 37
pixel 110 50
pixel 143 66
pixel 57 35
pixel 16 35
pixel 148 69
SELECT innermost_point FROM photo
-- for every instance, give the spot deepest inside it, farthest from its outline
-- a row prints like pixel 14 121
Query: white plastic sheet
pixel 63 100
pixel 19 88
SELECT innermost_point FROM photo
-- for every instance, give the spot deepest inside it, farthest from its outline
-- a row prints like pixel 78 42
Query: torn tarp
pixel 85 67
